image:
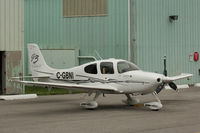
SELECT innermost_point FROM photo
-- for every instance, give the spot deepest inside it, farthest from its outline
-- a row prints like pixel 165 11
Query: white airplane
pixel 111 76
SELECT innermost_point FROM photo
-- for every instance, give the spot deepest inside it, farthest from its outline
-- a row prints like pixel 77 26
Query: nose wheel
pixel 154 106
pixel 89 105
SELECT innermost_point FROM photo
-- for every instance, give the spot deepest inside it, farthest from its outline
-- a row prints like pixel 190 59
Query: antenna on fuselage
pixel 98 55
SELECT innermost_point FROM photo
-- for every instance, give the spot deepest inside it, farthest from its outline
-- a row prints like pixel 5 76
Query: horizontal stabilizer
pixel 16 97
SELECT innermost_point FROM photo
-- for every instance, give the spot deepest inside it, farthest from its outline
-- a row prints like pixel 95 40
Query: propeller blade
pixel 173 86
pixel 160 87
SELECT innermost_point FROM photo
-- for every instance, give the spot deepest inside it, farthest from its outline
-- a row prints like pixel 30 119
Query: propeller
pixel 171 84
pixel 161 86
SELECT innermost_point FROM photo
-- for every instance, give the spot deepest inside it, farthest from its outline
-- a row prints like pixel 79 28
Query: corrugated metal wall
pixel 11 25
pixel 45 24
pixel 12 42
pixel 157 36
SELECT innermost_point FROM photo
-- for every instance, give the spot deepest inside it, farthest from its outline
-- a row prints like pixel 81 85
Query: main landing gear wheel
pixel 130 100
pixel 91 104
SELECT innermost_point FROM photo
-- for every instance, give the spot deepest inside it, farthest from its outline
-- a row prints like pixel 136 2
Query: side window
pixel 107 68
pixel 92 69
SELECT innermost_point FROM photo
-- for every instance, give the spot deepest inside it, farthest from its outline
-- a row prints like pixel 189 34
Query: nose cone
pixel 158 80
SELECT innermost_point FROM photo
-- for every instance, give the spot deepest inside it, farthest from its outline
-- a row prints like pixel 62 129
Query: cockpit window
pixel 125 67
pixel 92 69
pixel 107 68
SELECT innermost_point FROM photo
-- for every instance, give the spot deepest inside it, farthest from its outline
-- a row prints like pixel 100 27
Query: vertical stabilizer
pixel 37 63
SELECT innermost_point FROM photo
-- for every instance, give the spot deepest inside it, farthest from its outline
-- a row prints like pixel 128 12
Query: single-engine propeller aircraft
pixel 110 76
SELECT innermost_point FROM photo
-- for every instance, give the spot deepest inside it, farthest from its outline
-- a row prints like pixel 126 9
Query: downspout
pixel 129 32
pixel 134 16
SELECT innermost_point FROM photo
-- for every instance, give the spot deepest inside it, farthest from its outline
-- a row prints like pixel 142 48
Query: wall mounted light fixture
pixel 173 18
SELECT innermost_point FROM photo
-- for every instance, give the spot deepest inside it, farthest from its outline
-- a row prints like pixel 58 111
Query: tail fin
pixel 37 63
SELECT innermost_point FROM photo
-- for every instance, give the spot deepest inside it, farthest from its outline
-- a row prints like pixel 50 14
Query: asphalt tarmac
pixel 62 114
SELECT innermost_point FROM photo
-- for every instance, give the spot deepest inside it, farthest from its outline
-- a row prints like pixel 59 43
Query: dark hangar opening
pixel 2 72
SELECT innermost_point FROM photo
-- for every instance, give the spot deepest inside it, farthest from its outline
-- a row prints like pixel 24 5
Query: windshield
pixel 125 67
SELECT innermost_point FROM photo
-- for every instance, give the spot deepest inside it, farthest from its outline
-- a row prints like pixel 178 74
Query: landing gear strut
pixel 130 100
pixel 91 104
pixel 155 106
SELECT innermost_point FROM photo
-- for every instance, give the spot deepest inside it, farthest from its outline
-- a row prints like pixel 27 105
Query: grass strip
pixel 45 91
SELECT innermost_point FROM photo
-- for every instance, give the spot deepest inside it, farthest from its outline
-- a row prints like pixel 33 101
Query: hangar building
pixel 103 25
pixel 11 44
pixel 143 31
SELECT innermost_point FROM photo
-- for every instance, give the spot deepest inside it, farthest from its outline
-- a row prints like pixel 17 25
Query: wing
pixel 85 86
pixel 183 75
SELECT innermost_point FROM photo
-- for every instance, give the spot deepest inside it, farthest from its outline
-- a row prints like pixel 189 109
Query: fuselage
pixel 123 75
